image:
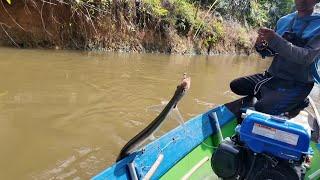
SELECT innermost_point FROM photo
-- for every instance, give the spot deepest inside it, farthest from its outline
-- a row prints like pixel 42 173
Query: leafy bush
pixel 156 8
pixel 243 38
pixel 255 12
pixel 184 9
pixel 218 29
pixel 215 34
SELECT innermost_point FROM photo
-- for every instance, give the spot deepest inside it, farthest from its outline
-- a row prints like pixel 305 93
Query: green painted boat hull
pixel 207 149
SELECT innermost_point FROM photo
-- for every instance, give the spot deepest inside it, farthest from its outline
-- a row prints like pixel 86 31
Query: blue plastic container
pixel 283 139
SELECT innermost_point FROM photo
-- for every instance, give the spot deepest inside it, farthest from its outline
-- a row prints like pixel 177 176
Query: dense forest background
pixel 169 26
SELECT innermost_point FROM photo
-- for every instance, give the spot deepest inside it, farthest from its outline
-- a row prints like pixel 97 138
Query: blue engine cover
pixel 283 139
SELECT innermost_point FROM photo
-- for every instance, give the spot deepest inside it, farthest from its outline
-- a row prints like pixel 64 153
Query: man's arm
pixel 299 55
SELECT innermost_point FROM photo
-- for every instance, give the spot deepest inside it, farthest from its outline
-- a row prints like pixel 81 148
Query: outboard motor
pixel 264 147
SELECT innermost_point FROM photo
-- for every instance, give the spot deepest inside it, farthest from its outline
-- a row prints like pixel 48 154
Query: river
pixel 66 114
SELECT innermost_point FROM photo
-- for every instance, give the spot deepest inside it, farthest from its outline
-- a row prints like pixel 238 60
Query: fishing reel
pixel 264 50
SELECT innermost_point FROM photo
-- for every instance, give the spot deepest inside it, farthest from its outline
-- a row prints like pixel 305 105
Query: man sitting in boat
pixel 295 46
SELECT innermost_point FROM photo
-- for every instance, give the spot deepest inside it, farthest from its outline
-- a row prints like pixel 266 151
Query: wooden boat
pixel 186 152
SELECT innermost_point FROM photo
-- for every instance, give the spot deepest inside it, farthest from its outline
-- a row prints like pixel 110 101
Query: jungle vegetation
pixel 155 25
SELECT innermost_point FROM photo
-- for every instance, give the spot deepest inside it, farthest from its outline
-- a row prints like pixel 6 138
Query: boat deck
pixel 184 168
pixel 197 164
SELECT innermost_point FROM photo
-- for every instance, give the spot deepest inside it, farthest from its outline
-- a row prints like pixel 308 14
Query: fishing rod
pixel 135 143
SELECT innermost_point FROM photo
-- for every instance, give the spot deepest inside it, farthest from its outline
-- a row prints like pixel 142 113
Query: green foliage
pixel 258 14
pixel 184 15
pixel 184 9
pixel 210 41
pixel 255 12
pixel 243 38
pixel 218 29
pixel 9 1
pixel 216 34
pixel 180 13
pixel 278 9
pixel 267 12
pixel 201 27
pixel 234 9
pixel 156 8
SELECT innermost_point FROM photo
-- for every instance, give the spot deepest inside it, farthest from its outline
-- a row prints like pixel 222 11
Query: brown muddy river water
pixel 66 115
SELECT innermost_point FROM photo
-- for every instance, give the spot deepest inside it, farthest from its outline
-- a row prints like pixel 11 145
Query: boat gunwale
pixel 144 158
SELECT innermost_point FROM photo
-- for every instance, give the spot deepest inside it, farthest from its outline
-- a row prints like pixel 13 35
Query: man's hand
pixel 265 34
pixel 260 42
